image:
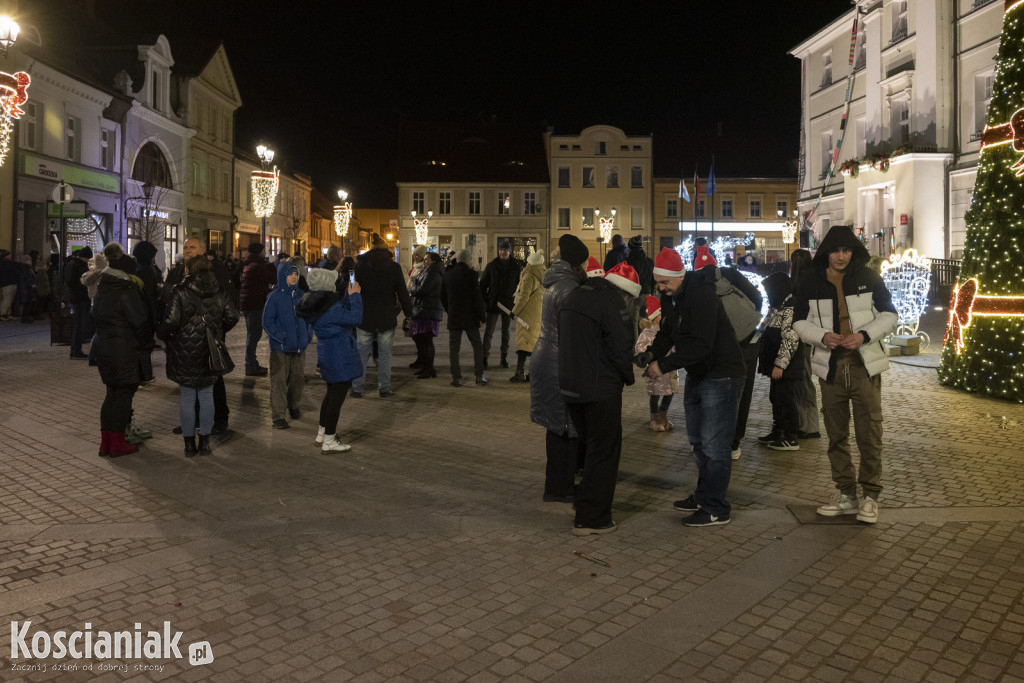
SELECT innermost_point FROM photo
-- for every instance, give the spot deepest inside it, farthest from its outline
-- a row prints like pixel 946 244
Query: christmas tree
pixel 983 349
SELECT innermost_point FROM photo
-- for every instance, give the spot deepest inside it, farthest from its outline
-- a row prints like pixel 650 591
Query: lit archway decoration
pixel 13 94
pixel 342 217
pixel 264 191
pixel 966 303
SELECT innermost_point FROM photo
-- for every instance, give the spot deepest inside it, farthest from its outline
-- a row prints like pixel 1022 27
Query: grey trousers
pixel 852 385
pixel 287 379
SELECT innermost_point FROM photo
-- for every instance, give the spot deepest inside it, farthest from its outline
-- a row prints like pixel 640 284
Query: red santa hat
pixel 669 263
pixel 594 268
pixel 703 258
pixel 653 307
pixel 625 278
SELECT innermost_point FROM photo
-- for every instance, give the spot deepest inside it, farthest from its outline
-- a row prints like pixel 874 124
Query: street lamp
pixel 264 188
pixel 789 230
pixel 342 215
pixel 421 226
pixel 9 31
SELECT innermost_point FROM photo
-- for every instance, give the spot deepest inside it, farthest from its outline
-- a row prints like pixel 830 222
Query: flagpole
pixel 696 200
pixel 711 179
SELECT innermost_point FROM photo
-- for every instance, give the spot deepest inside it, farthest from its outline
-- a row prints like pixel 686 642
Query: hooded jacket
pixel 255 283
pixel 286 331
pixel 780 344
pixel 383 289
pixel 122 327
pixel 334 321
pixel 644 267
pixel 197 302
pixel 499 282
pixel 144 253
pixel 594 343
pixel 816 306
pixel 528 301
pixel 462 298
pixel 427 286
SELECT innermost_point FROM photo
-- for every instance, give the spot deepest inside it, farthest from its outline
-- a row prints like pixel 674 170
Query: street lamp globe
pixel 9 31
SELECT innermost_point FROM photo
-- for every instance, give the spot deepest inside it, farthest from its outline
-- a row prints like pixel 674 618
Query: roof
pixel 482 152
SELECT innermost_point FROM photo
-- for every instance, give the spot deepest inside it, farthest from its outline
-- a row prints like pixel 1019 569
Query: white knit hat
pixel 536 258
pixel 320 279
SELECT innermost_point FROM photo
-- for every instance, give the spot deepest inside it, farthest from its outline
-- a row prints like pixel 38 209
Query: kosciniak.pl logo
pixel 99 644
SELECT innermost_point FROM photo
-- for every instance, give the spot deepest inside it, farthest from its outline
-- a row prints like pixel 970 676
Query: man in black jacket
pixel 465 306
pixel 498 285
pixel 383 292
pixel 78 298
pixel 695 334
pixel 594 353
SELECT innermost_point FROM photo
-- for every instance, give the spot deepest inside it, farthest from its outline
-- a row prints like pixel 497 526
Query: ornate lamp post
pixel 264 188
pixel 421 225
pixel 789 230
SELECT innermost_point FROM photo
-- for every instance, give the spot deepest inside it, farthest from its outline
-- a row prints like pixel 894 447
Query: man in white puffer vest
pixel 843 310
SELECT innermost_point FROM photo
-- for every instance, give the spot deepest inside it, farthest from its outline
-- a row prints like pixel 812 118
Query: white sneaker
pixel 320 435
pixel 868 512
pixel 840 505
pixel 736 453
pixel 332 445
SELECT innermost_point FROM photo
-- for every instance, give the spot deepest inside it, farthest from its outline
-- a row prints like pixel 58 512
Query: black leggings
pixel 666 401
pixel 330 409
pixel 425 346
pixel 116 412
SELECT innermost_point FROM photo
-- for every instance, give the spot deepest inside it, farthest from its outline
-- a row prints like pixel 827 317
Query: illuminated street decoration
pixel 342 216
pixel 606 226
pixel 13 94
pixel 264 191
pixel 421 225
pixel 718 248
pixel 908 278
pixel 966 304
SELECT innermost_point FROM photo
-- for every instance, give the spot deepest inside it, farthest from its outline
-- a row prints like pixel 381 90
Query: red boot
pixel 104 444
pixel 118 447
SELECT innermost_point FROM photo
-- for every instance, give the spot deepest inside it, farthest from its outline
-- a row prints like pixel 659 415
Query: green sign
pixel 36 167
pixel 71 210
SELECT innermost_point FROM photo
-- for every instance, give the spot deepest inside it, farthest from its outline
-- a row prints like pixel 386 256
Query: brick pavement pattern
pixel 426 554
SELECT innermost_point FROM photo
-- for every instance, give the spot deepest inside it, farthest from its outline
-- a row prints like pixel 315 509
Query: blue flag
pixel 683 194
pixel 710 189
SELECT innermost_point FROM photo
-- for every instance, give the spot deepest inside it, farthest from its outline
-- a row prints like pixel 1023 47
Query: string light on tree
pixel 422 225
pixel 983 350
pixel 342 214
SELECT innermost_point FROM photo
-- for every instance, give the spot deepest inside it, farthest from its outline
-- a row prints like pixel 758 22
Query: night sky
pixel 328 84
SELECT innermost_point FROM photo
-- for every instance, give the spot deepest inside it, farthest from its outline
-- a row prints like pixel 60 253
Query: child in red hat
pixel 664 387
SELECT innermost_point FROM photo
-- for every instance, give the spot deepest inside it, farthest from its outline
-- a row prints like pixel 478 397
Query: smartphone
pixel 351 278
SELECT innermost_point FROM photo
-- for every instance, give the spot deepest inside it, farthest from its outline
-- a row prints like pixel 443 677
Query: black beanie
pixel 636 242
pixel 255 248
pixel 84 252
pixel 573 250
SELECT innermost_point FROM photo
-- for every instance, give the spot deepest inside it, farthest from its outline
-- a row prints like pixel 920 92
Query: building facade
pixel 922 78
pixel 594 173
pixel 288 227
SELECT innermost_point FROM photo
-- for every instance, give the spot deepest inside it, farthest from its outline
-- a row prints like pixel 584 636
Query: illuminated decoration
pixel 984 342
pixel 9 31
pixel 13 94
pixel 606 225
pixel 264 191
pixel 342 214
pixel 789 229
pixel 422 224
pixel 908 278
pixel 718 247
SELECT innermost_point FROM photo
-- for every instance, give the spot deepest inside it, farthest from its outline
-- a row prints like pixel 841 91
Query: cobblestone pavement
pixel 426 554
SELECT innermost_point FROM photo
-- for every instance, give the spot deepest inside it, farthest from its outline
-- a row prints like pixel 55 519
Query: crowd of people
pixel 581 328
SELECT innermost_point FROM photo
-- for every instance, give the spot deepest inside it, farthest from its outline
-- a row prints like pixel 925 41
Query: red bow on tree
pixel 967 303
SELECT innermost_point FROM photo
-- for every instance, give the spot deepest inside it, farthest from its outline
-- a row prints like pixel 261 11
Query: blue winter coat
pixel 286 331
pixel 334 320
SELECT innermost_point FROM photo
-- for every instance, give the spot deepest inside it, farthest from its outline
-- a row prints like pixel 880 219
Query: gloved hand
pixel 643 359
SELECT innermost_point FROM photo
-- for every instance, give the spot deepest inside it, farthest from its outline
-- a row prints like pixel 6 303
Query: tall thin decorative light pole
pixel 342 217
pixel 264 188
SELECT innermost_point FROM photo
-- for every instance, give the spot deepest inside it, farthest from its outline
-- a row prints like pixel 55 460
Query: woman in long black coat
pixel 196 304
pixel 122 328
pixel 427 311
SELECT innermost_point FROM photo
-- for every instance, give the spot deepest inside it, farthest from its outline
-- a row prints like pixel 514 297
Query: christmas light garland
pixel 908 277
pixel 264 191
pixel 342 216
pixel 13 94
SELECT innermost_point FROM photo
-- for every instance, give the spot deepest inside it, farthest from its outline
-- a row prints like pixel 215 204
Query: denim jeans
pixel 253 334
pixel 364 341
pixel 710 406
pixel 187 409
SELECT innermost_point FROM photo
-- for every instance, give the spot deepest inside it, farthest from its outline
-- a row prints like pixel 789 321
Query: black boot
pixel 190 446
pixel 204 445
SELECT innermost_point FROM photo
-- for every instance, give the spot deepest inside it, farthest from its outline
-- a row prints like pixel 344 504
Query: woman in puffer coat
pixel 197 303
pixel 334 321
pixel 122 327
pixel 546 405
pixel 427 311
pixel 528 303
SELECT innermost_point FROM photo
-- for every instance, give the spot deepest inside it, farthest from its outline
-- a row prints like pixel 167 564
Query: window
pixel 636 217
pixel 826 152
pixel 982 98
pixel 238 192
pixel 636 176
pixel 612 176
pixel 563 176
pixel 529 203
pixel 782 209
pixel 155 91
pixel 225 184
pixel 474 203
pixel 575 148
pixel 588 176
pixel 71 138
pixel 151 167
pixel 899 20
pixel 419 201
pixel 504 203
pixel 826 69
pixel 726 208
pixel 862 55
pixel 444 203
pixel 638 148
pixel 672 208
pixel 698 209
pixel 195 177
pixel 30 124
pixel 106 136
pixel 602 148
pixel 860 142
pixel 588 218
pixel 563 218
pixel 901 121
pixel 755 207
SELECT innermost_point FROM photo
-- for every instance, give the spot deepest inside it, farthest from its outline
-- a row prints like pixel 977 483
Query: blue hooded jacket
pixel 287 332
pixel 334 320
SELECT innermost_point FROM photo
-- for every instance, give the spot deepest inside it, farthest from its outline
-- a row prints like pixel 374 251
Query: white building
pixel 600 170
pixel 922 78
